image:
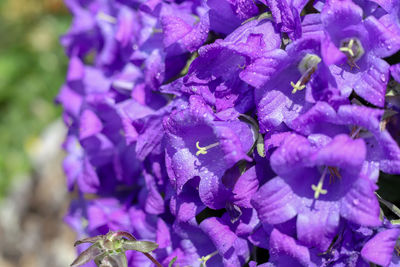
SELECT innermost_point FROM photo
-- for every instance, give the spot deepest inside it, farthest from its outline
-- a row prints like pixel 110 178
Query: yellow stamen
pixel 355 132
pixel 203 150
pixel 333 171
pixel 352 64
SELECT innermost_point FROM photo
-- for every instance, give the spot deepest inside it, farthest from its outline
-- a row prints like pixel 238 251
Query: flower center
pixel 203 150
pixel 353 49
pixel 307 66
pixel 318 190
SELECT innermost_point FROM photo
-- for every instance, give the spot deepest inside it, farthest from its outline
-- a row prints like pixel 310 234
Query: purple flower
pixel 227 15
pixel 198 144
pixel 353 52
pixel 280 79
pixel 180 27
pixel 233 249
pixel 287 15
pixel 222 129
pixel 214 74
pixel 359 122
pixel 302 188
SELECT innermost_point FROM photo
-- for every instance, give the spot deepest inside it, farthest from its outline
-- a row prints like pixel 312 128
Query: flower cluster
pixel 235 132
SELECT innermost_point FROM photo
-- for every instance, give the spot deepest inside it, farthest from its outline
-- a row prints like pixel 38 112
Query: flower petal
pixel 379 249
pixel 275 202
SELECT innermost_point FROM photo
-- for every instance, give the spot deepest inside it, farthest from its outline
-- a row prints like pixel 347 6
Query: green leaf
pixel 142 246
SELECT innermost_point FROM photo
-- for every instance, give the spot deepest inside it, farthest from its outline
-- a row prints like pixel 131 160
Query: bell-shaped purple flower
pixel 199 144
pixel 318 185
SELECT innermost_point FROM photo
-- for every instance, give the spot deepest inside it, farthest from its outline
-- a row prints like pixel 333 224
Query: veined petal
pixel 360 205
pixel 372 84
pixel 379 249
pixel 318 225
pixel 275 202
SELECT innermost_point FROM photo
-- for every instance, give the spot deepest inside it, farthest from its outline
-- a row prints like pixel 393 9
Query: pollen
pixel 203 150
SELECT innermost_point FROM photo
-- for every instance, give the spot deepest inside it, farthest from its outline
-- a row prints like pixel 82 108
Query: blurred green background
pixel 32 69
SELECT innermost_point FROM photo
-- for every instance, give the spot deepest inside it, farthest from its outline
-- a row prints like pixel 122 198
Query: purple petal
pixel 259 72
pixel 244 188
pixel 318 226
pixel 90 124
pixel 372 84
pixel 379 249
pixel 385 43
pixel 360 204
pixel 174 29
pixel 283 247
pixel 275 202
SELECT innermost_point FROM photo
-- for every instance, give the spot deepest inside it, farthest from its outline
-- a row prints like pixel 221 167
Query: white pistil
pixel 353 49
pixel 203 150
pixel 103 16
pixel 318 189
pixel 348 48
pixel 307 66
pixel 204 259
pixel 297 87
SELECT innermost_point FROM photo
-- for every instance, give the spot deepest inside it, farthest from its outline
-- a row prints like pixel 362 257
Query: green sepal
pixel 89 254
pixel 114 260
pixel 142 246
pixel 93 239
